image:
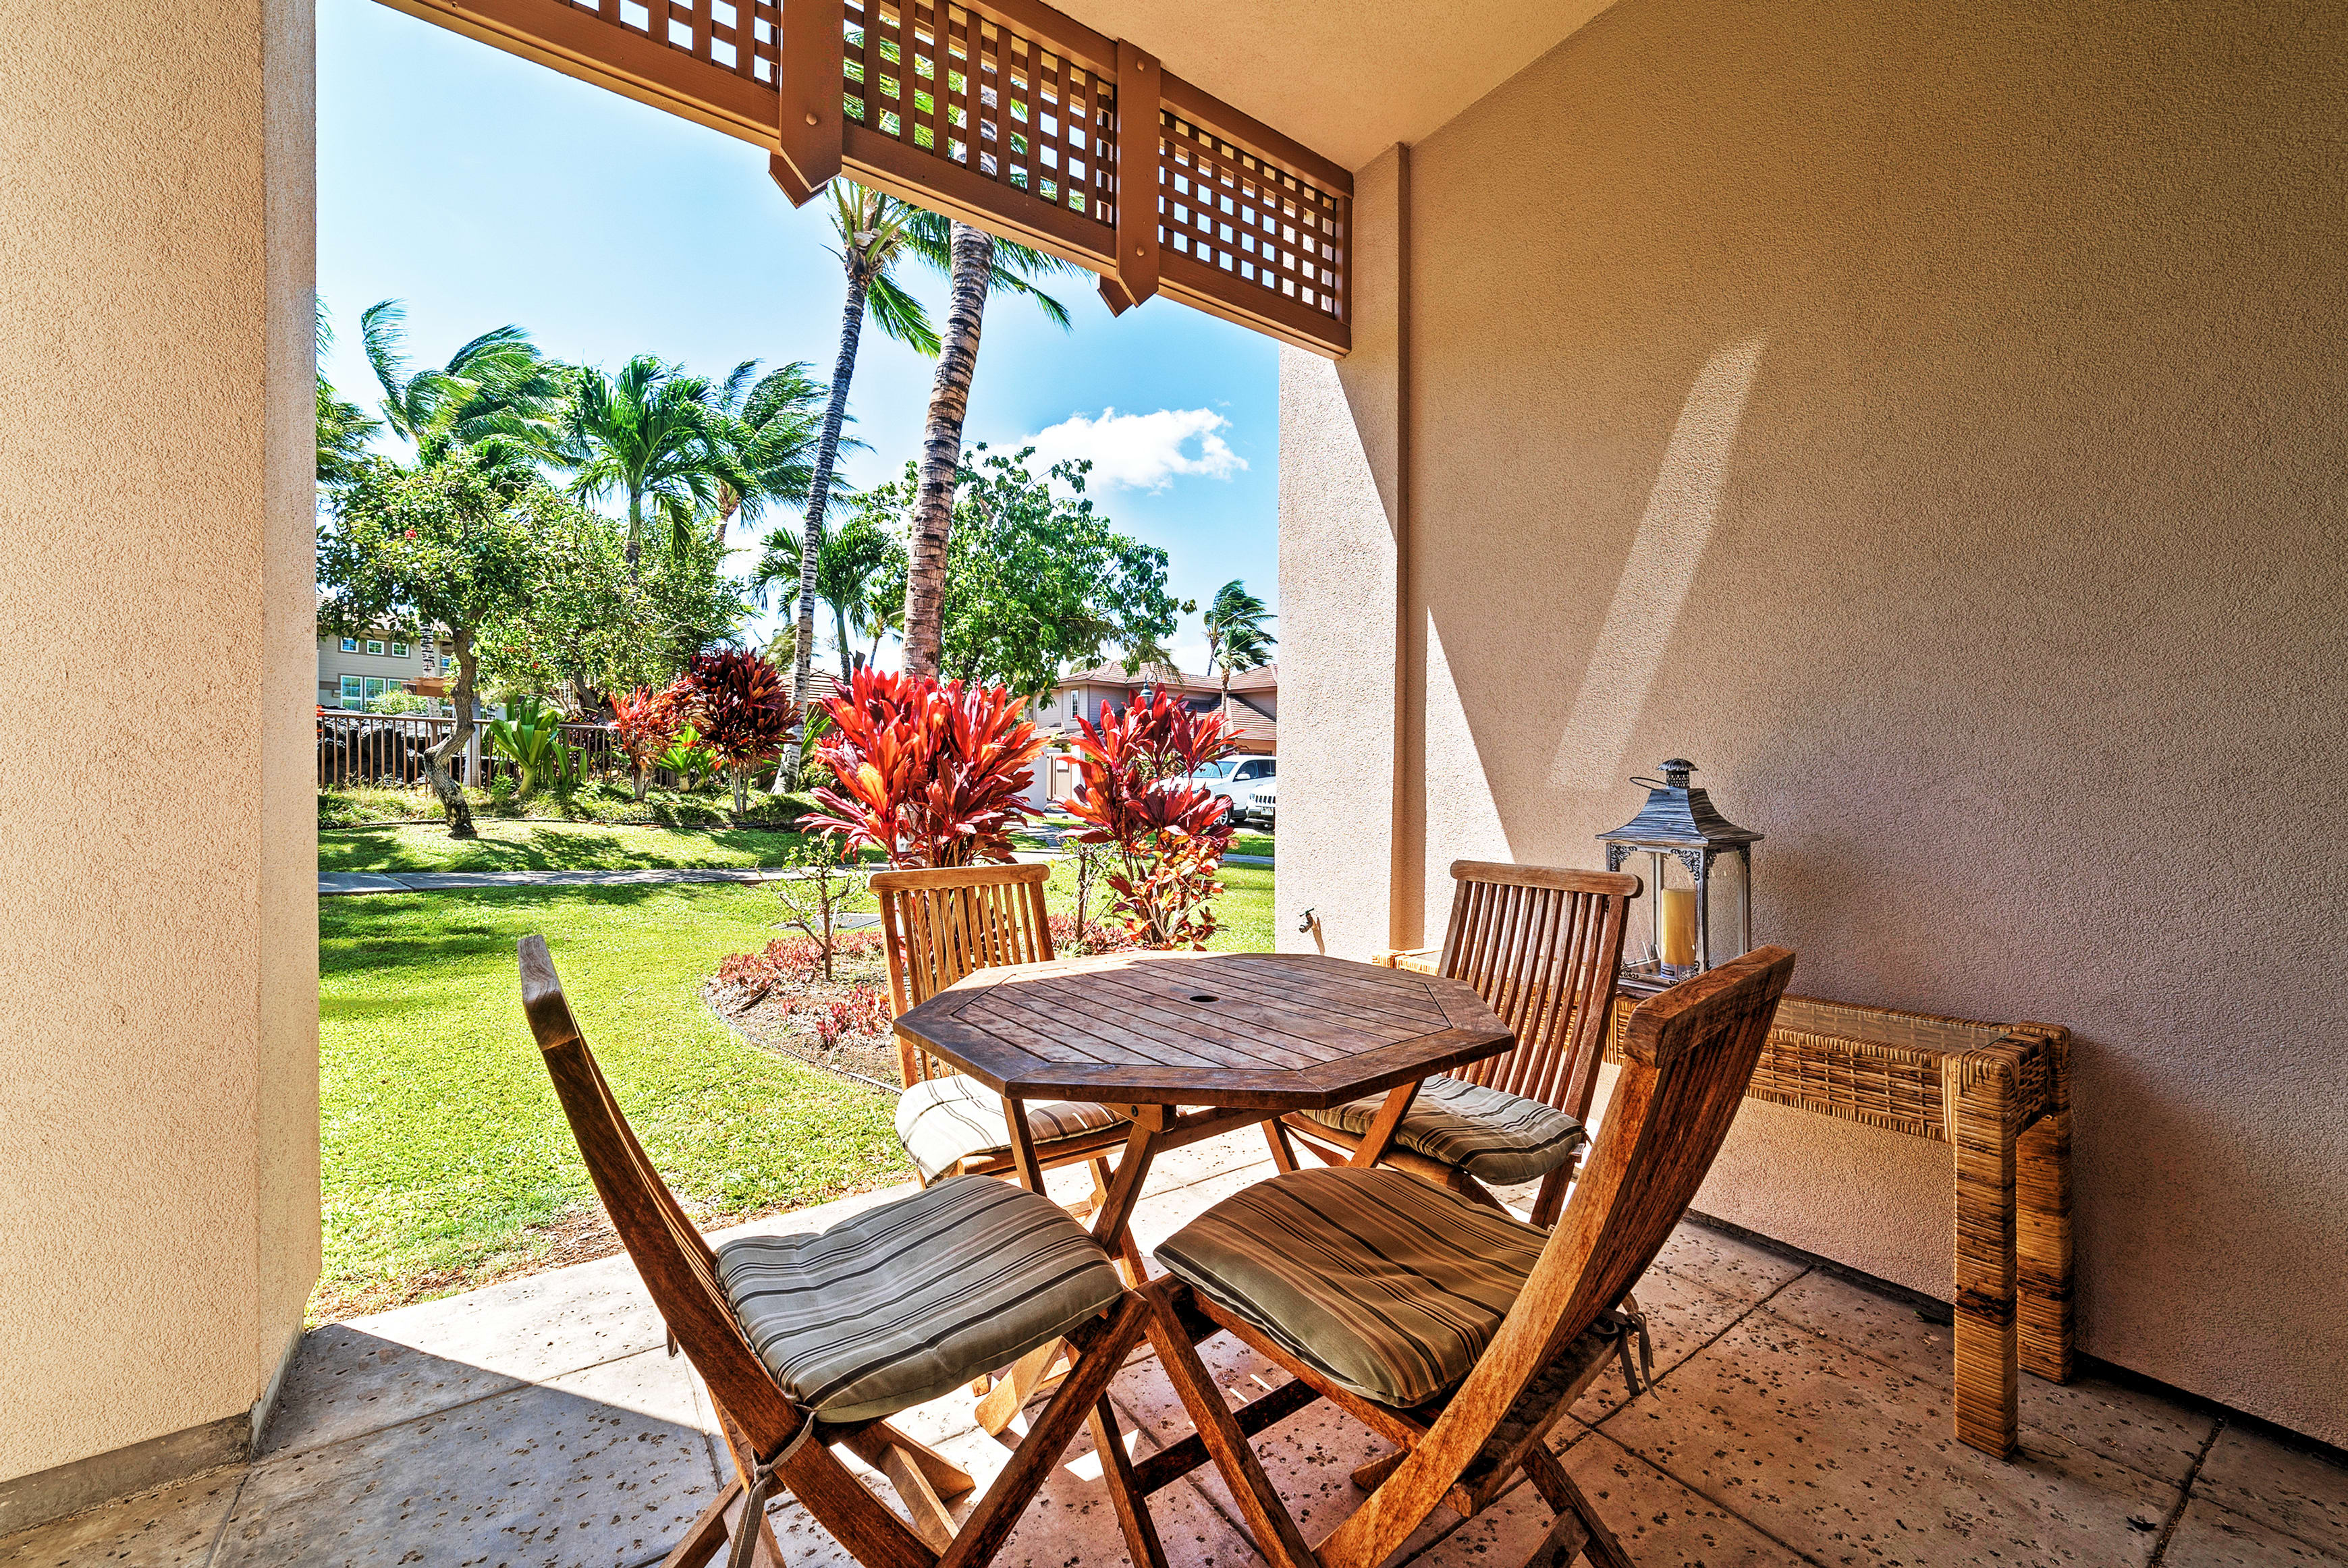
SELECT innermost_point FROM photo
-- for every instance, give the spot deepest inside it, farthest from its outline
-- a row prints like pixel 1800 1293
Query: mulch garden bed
pixel 779 1000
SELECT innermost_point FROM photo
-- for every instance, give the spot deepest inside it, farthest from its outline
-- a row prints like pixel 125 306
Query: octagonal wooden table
pixel 1188 1045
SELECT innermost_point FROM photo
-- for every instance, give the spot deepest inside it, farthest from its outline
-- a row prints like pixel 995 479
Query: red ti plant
pixel 1170 836
pixel 929 773
pixel 645 721
pixel 736 700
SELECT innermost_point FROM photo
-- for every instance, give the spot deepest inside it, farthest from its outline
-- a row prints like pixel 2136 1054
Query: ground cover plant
pixel 445 1161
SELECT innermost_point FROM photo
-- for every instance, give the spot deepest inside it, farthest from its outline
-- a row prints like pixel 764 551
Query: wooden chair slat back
pixel 1691 1053
pixel 938 925
pixel 1541 945
pixel 676 1266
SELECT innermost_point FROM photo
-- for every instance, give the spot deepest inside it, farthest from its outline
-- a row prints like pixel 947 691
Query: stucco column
pixel 1344 527
pixel 159 1068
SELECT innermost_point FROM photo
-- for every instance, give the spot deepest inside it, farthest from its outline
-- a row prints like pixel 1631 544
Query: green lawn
pixel 442 1146
pixel 445 1159
pixel 602 800
pixel 546 846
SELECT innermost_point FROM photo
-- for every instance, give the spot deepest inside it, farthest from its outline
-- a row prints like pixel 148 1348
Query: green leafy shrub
pixel 530 737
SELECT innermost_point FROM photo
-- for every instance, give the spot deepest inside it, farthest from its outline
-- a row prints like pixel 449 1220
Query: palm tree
pixel 884 612
pixel 496 395
pixel 977 262
pixel 876 232
pixel 851 562
pixel 343 429
pixel 1236 638
pixel 775 422
pixel 654 434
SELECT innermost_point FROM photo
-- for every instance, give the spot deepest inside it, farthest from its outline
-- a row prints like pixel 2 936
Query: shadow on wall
pixel 2005 603
pixel 1657 574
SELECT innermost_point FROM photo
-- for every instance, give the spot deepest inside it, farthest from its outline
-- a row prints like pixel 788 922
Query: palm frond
pixel 901 316
pixel 381 327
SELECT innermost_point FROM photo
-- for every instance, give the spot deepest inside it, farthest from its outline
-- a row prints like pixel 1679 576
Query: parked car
pixel 1234 779
pixel 1260 804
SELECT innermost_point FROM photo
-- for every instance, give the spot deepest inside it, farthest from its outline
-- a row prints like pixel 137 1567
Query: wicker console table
pixel 2000 1096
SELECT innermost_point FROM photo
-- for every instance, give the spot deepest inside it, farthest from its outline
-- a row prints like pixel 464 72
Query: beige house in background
pixel 1928 419
pixel 352 670
pixel 1254 714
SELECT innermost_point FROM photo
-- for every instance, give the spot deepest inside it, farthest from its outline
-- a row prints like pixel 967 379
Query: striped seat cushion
pixel 1389 1285
pixel 941 1121
pixel 1494 1136
pixel 906 1302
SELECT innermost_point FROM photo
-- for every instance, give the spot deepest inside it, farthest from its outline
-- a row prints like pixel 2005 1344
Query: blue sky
pixel 482 188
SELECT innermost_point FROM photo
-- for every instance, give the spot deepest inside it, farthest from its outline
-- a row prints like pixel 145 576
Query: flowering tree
pixel 449 546
pixel 646 722
pixel 1169 836
pixel 928 774
pixel 737 702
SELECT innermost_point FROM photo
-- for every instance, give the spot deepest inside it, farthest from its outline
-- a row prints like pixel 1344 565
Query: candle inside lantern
pixel 1678 909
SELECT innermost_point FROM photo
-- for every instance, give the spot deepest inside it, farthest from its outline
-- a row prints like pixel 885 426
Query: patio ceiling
pixel 1355 77
pixel 1007 114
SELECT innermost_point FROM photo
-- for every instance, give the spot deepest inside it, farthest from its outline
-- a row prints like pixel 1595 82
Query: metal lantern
pixel 1696 909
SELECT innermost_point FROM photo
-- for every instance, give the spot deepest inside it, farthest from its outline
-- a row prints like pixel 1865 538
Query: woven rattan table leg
pixel 2043 1247
pixel 1982 1089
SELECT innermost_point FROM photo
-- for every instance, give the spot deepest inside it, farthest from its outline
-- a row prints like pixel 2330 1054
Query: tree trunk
pixel 827 451
pixel 643 783
pixel 435 761
pixel 635 532
pixel 839 628
pixel 925 583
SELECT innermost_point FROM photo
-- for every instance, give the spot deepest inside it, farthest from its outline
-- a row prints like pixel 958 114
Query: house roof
pixel 1264 680
pixel 1112 674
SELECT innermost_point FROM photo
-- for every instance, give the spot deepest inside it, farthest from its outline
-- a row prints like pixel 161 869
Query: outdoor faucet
pixel 1307 921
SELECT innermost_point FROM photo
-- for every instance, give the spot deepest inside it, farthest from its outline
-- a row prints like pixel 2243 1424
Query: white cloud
pixel 1140 451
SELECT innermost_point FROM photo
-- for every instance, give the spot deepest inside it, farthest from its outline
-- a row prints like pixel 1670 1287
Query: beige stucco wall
pixel 159 1190
pixel 1341 521
pixel 1928 419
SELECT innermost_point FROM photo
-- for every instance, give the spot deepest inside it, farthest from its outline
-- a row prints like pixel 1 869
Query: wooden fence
pixel 387 750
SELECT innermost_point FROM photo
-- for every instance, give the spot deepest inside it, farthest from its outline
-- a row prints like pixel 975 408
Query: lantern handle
pixel 1651 783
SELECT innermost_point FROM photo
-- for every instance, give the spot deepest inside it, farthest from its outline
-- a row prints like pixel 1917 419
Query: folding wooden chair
pixel 824 1337
pixel 1461 1335
pixel 1542 945
pixel 936 927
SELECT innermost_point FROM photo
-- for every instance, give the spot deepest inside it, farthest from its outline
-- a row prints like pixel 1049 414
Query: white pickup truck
pixel 1237 781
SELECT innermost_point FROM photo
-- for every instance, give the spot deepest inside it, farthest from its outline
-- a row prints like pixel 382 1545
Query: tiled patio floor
pixel 1797 1419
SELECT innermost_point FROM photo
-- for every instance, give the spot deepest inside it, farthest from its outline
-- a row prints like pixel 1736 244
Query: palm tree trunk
pixel 925 583
pixel 635 530
pixel 839 629
pixel 835 413
pixel 435 761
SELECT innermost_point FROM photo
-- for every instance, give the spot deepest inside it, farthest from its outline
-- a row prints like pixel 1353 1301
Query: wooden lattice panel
pixel 741 37
pixel 990 100
pixel 1264 227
